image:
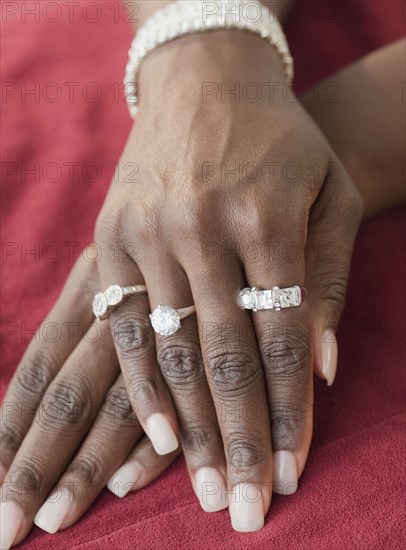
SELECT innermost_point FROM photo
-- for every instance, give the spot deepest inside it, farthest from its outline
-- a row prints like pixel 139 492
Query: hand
pixel 228 195
pixel 67 423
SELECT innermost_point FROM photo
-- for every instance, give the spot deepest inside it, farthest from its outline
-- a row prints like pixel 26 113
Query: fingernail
pixel 284 473
pixel 124 480
pixel 329 356
pixel 53 512
pixel 11 520
pixel 210 490
pixel 161 434
pixel 246 508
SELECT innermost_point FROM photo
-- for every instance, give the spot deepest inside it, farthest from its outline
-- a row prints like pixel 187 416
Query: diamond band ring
pixel 104 302
pixel 165 320
pixel 277 298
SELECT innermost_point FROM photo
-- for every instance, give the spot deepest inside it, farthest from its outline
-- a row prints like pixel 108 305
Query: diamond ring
pixel 166 321
pixel 277 298
pixel 104 302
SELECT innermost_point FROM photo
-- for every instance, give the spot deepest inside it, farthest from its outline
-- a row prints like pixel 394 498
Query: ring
pixel 104 302
pixel 277 298
pixel 166 321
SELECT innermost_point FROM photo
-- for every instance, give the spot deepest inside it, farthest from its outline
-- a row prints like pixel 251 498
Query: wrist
pixel 181 19
pixel 189 66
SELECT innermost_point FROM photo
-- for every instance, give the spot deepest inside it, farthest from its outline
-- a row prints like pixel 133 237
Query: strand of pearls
pixel 191 16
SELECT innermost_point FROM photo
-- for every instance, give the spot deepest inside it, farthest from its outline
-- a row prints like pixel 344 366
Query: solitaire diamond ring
pixel 115 295
pixel 166 321
pixel 277 298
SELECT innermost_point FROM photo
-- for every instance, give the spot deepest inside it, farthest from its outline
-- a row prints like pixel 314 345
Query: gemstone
pixel 114 295
pixel 276 297
pixel 99 305
pixel 246 298
pixel 289 297
pixel 165 320
pixel 261 299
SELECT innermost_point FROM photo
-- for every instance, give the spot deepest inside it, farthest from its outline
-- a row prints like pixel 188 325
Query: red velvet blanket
pixel 64 124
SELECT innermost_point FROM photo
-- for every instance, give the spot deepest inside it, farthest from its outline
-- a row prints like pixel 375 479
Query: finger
pixel 181 363
pixel 64 416
pixel 142 466
pixel 284 340
pixel 57 337
pixel 235 377
pixel 106 446
pixel 333 225
pixel 135 344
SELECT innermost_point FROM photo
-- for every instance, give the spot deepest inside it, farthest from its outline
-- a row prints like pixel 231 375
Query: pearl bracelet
pixel 191 16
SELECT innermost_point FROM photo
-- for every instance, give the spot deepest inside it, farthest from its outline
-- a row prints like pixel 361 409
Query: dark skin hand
pixel 78 445
pixel 184 206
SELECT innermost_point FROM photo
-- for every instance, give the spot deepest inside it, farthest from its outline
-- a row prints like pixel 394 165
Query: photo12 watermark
pixel 66 11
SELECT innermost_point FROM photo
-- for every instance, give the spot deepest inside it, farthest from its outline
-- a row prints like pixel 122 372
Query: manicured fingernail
pixel 11 520
pixel 124 480
pixel 161 434
pixel 210 489
pixel 246 507
pixel 329 356
pixel 284 473
pixel 53 512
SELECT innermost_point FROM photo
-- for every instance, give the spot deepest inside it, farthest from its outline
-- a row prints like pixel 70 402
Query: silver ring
pixel 276 298
pixel 165 320
pixel 105 302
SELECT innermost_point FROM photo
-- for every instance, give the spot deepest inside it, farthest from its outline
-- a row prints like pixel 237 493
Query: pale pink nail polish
pixel 329 356
pixel 210 490
pixel 284 473
pixel 161 434
pixel 54 511
pixel 124 480
pixel 11 520
pixel 246 507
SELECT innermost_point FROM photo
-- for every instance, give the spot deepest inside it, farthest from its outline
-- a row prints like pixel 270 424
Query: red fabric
pixel 351 494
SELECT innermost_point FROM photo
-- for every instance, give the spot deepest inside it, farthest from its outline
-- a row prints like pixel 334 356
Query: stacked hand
pixel 227 195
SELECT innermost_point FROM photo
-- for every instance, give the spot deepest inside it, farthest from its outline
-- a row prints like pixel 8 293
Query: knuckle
pixel 144 390
pixel 331 293
pixel 25 477
pixel 117 405
pixel 267 222
pixel 233 371
pixel 67 402
pixel 86 468
pixel 146 221
pixel 132 333
pixel 287 355
pixel 10 437
pixel 196 439
pixel 348 204
pixel 181 365
pixel 356 204
pixel 245 453
pixel 34 375
pixel 288 423
pixel 336 292
pixel 107 226
pixel 261 222
pixel 190 217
